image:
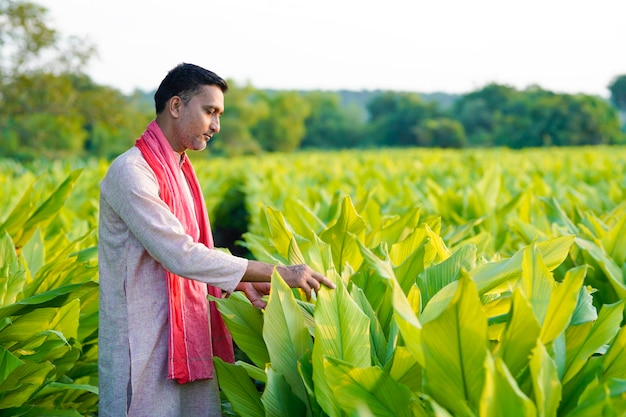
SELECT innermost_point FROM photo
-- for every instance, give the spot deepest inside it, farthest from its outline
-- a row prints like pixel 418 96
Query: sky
pixel 453 46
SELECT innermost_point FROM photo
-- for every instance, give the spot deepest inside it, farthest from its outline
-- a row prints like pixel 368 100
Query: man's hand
pixel 296 276
pixel 255 291
pixel 302 276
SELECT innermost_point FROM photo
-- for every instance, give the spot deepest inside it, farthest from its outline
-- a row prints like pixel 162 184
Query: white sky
pixel 454 46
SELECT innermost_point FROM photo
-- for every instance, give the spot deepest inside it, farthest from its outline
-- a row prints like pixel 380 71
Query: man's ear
pixel 174 106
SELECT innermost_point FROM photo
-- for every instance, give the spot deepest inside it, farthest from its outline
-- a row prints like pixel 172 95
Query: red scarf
pixel 192 339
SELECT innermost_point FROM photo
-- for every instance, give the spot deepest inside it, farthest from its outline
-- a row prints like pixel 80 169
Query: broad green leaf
pixel 546 383
pixel 12 275
pixel 26 327
pixel 585 339
pixel 30 411
pixel 23 382
pixel 343 236
pixel 501 395
pixel 53 298
pixel 556 214
pixel 8 363
pixel 611 270
pixel 286 337
pixel 370 387
pixel 410 268
pixel 305 368
pixel 405 369
pixel 491 274
pixel 402 249
pixel 253 371
pixel 66 320
pixel 49 208
pixel 342 332
pixel 239 389
pixel 562 304
pixel 438 244
pixel 278 398
pixel 455 347
pixel 614 242
pixel 377 336
pixel 536 282
pixel 520 335
pixel 280 233
pixel 614 365
pixel 401 227
pixel 585 311
pixel 301 218
pixel 606 399
pixel 34 252
pixel 294 254
pixel 405 317
pixel 245 323
pixel 433 279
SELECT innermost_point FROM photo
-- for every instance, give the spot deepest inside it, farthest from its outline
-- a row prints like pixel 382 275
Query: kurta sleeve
pixel 132 191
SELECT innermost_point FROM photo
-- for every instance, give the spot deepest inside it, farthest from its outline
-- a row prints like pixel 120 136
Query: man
pixel 157 336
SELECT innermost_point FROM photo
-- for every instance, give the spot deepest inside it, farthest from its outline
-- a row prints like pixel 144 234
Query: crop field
pixel 483 283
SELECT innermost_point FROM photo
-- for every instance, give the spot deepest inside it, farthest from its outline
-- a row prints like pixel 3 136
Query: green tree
pixel 284 128
pixel 111 121
pixel 441 133
pixel 395 117
pixel 618 92
pixel 331 125
pixel 244 107
pixel 481 111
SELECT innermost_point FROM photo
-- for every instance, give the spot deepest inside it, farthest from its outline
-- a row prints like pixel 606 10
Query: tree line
pixel 51 108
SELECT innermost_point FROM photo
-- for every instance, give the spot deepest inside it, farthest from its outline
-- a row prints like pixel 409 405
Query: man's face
pixel 199 119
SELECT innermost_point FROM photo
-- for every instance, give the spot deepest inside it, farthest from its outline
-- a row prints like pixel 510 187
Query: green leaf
pixel 239 389
pixel 285 334
pixel 433 279
pixel 584 340
pixel 53 298
pixel 278 398
pixel 520 334
pixel 342 236
pixel 491 274
pixel 536 282
pixel 12 276
pixel 562 304
pixel 405 369
pixel 501 395
pixel 546 384
pixel 279 231
pixel 404 316
pixel 49 208
pixel 370 388
pixel 253 371
pixel 341 331
pixel 25 328
pixel 615 360
pixel 245 323
pixel 609 267
pixel 34 253
pixel 23 382
pixel 378 341
pixel 455 347
pixel 8 363
pixel 606 399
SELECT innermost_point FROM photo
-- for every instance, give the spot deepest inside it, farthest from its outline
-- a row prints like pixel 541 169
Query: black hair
pixel 185 81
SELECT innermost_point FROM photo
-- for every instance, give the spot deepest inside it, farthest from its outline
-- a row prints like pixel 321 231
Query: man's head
pixel 185 81
pixel 189 103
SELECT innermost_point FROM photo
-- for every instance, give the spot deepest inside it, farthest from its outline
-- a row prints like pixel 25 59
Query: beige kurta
pixel 138 237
